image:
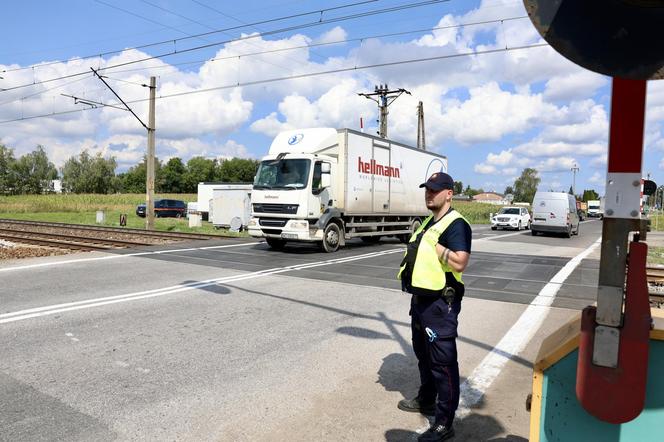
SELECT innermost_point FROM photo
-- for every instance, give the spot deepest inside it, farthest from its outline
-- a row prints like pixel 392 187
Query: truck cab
pixel 290 193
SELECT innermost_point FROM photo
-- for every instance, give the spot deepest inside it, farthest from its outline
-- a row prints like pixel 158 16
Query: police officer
pixel 431 272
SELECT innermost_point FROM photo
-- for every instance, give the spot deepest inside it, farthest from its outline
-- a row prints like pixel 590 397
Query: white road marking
pixel 89 303
pixel 102 258
pixel 518 336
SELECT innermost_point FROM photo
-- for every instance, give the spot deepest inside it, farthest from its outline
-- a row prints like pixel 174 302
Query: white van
pixel 555 212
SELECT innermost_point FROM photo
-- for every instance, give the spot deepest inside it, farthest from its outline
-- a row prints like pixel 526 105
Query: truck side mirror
pixel 325 180
pixel 325 167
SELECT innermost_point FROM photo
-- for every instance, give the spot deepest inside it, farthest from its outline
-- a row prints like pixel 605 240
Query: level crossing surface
pixel 231 341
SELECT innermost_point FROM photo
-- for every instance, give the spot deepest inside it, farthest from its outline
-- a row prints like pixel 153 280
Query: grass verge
pixel 82 209
pixel 656 255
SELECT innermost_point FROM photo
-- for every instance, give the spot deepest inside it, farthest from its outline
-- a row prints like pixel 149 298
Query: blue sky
pixel 492 113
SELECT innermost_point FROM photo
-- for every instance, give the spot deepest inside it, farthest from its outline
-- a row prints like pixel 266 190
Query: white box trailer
pixel 206 193
pixel 231 206
pixel 329 185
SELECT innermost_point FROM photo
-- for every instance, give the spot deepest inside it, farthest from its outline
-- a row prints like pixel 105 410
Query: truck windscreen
pixel 282 174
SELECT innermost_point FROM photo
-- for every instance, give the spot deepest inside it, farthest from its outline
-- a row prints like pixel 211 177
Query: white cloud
pixel 485 169
pixel 540 148
pixel 600 161
pixel 333 35
pixel 491 113
pixel 597 178
pixel 495 163
pixel 573 86
pixel 338 107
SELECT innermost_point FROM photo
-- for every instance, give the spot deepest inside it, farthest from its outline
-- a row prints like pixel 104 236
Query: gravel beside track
pixel 111 230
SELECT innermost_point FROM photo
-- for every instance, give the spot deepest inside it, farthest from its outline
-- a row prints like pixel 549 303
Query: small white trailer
pixel 230 206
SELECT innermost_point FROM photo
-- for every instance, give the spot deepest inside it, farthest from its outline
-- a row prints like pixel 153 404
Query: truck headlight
pixel 252 222
pixel 299 224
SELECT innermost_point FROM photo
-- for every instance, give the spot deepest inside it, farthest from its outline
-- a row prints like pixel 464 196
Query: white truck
pixel 328 185
pixel 596 208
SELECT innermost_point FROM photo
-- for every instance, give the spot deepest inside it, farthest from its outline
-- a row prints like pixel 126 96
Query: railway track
pixel 60 244
pixel 655 274
pixel 655 277
pixel 60 238
pixel 126 230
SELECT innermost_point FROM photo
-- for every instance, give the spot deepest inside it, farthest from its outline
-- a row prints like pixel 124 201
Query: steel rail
pixel 53 243
pixel 93 240
pixel 126 230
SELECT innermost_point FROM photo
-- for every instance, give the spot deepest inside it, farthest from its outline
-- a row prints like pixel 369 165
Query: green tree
pixel 590 195
pixel 34 172
pixel 198 170
pixel 458 187
pixel 526 185
pixel 90 174
pixel 133 181
pixel 172 176
pixel 236 170
pixel 7 170
pixel 472 192
pixel 509 190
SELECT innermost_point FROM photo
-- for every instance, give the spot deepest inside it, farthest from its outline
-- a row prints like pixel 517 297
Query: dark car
pixel 165 208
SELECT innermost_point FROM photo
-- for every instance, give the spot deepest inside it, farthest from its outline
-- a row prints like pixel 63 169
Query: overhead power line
pixel 271 51
pixel 300 76
pixel 173 41
pixel 277 31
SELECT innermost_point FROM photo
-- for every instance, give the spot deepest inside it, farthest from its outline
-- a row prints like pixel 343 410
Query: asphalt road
pixel 233 341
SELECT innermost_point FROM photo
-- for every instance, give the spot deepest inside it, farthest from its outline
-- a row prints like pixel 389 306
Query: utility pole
pixel 149 176
pixel 574 169
pixel 385 98
pixel 421 143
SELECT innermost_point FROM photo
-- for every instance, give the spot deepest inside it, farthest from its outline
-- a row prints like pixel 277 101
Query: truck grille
pixel 267 222
pixel 276 208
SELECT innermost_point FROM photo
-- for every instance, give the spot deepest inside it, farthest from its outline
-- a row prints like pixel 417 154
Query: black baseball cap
pixel 439 181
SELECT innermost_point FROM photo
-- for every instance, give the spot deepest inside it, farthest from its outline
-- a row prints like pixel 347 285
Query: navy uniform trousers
pixel 434 328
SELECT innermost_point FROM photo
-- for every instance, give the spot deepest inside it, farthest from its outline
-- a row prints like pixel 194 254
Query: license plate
pixel 289 235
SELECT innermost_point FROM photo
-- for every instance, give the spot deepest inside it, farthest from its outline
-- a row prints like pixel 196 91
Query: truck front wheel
pixel 331 238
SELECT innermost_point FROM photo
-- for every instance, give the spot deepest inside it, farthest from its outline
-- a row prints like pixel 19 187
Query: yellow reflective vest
pixel 428 272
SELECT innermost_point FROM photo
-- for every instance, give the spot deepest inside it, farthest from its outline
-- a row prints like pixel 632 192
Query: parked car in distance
pixel 165 208
pixel 555 212
pixel 511 218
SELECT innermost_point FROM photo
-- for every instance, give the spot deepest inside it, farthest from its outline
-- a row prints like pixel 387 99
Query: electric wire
pixel 300 76
pixel 208 27
pixel 270 51
pixel 223 14
pixel 145 18
pixel 277 31
pixel 163 42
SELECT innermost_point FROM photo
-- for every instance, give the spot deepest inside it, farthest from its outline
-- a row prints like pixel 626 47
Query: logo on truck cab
pixel 376 169
pixel 294 139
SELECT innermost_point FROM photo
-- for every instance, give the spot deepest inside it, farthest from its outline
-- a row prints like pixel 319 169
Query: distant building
pixel 461 197
pixel 491 198
pixel 54 186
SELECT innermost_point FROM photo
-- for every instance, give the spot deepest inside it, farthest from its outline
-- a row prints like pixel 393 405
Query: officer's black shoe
pixel 436 433
pixel 417 406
